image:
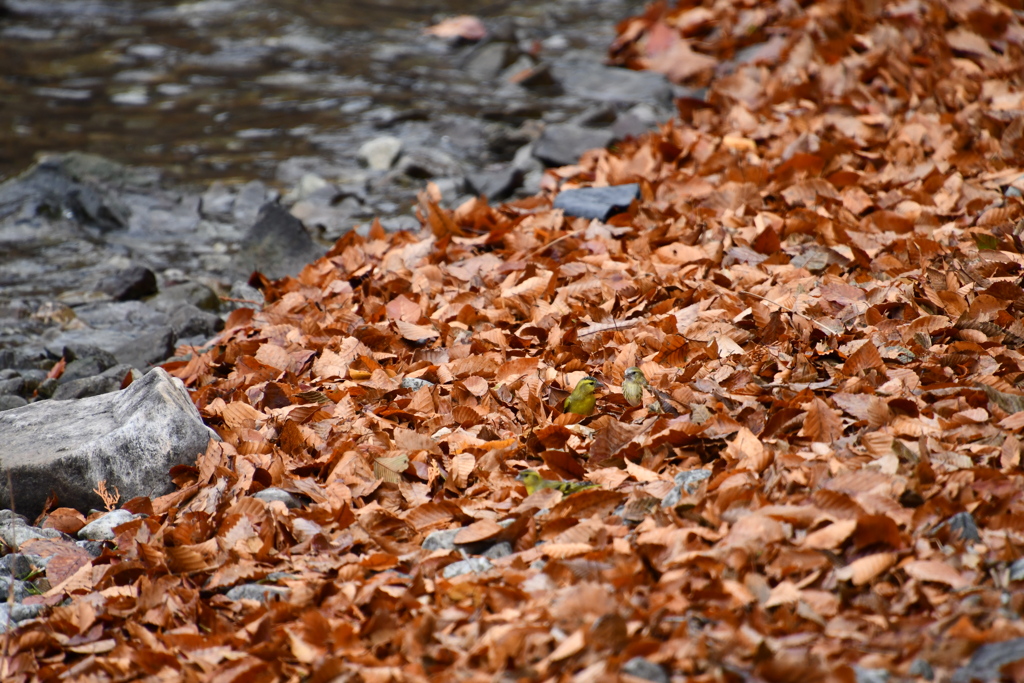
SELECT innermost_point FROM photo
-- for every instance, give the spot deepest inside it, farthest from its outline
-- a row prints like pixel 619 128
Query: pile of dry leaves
pixel 823 273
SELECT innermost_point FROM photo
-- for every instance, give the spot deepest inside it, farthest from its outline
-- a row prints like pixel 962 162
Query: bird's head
pixel 587 385
pixel 635 374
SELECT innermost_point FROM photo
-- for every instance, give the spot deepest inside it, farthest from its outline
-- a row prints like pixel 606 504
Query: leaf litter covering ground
pixel 824 275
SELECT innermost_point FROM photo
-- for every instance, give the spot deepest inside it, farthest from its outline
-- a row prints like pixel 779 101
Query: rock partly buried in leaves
pixel 129 438
pixel 102 529
pixel 597 202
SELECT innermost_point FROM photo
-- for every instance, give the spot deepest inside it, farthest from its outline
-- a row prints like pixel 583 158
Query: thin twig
pixel 823 328
pixel 541 249
pixel 614 325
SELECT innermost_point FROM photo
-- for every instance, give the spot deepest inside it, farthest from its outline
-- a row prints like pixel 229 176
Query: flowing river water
pixel 227 89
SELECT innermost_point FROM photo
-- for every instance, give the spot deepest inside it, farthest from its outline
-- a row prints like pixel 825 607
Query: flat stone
pixel 593 81
pixel 597 202
pixel 563 144
pixel 130 439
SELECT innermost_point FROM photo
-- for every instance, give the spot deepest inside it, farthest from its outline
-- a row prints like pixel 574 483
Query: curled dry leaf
pixel 866 569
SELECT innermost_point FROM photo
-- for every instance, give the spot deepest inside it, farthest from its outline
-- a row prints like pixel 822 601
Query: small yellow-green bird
pixel 633 386
pixel 534 482
pixel 582 399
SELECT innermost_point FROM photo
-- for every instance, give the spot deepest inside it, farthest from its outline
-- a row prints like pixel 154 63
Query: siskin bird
pixel 582 399
pixel 534 482
pixel 633 386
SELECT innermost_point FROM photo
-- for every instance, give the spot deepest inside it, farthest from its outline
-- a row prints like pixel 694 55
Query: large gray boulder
pixel 129 438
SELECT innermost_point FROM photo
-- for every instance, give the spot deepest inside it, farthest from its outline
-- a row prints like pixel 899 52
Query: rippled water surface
pixel 227 89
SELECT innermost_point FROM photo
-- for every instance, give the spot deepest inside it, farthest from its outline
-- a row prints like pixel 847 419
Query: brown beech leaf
pixel 478 531
pixel 822 423
pixel 936 571
pixel 865 569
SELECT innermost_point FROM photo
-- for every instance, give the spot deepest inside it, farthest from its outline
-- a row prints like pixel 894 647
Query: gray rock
pixel 12 614
pixel 147 349
pixel 597 202
pixel 424 162
pixel 189 321
pixel 102 529
pixel 922 669
pixel 380 153
pixel 47 387
pixel 415 383
pixel 490 59
pixel 277 244
pixel 498 550
pixel 563 144
pixel 133 282
pixel 962 526
pixel 15 531
pixel 591 80
pixel 19 565
pixel 86 367
pixel 441 540
pixel 274 493
pixel 174 296
pixel 8 402
pixel 242 295
pixel 218 202
pixel 647 670
pixel 690 479
pixel 987 660
pixel 864 675
pixel 87 386
pixel 473 564
pixel 257 591
pixel 14 385
pixel 497 184
pixel 249 202
pixel 55 187
pixel 13 590
pixel 94 548
pixel 1017 570
pixel 130 439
